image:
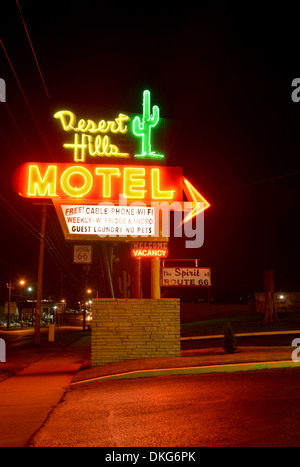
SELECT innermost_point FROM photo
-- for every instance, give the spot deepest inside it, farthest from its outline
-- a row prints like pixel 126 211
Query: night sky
pixel 221 76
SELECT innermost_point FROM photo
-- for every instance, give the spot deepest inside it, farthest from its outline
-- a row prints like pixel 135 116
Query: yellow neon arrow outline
pixel 197 199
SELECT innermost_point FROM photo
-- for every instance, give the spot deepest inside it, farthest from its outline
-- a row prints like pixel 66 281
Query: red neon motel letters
pixel 98 182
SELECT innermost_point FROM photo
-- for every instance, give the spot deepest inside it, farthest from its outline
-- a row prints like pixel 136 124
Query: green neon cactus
pixel 142 127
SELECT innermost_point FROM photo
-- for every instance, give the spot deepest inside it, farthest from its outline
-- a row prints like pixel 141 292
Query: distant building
pixel 285 301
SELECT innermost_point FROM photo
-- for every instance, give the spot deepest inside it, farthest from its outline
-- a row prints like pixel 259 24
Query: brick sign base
pixel 130 329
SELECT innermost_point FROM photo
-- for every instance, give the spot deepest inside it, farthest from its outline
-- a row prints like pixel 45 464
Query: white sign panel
pixel 181 276
pixel 83 254
pixel 109 221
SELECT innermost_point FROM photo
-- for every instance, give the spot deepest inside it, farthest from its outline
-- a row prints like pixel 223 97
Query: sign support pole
pixel 107 272
pixel 138 278
pixel 40 277
pixel 155 278
pixel 86 268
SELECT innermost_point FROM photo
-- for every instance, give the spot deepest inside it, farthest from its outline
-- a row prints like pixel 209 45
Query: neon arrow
pixel 199 203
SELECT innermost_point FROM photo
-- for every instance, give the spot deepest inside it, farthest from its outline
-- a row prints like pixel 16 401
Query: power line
pixel 10 147
pixel 54 253
pixel 50 246
pixel 36 61
pixel 254 182
pixel 18 216
pixel 26 100
pixel 17 126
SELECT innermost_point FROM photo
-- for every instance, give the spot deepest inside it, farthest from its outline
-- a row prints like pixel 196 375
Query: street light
pixel 11 285
pixel 87 291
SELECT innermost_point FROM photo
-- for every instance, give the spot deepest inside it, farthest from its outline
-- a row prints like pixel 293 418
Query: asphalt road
pixel 16 338
pixel 257 408
pixel 19 337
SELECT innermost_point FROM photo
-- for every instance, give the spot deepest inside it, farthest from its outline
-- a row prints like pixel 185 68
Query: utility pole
pixel 40 277
pixel 270 304
pixel 137 278
pixel 107 271
pixel 8 305
pixel 86 268
pixel 11 286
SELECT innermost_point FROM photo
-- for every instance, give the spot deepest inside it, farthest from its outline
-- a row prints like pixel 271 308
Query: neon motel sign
pixel 94 138
pixel 77 188
pixel 98 182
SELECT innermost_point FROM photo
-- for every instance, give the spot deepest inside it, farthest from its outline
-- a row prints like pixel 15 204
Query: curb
pixel 241 334
pixel 228 368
